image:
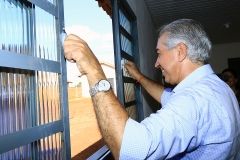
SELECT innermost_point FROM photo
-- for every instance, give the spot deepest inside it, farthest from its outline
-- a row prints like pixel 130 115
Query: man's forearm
pixel 111 117
pixel 153 88
pixel 111 120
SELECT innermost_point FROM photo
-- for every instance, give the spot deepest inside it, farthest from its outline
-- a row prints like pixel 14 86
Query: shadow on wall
pixel 152 103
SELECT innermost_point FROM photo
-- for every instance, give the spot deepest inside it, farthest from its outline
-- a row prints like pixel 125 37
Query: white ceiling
pixel 212 14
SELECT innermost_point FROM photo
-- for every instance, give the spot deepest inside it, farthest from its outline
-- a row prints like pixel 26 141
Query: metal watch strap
pixel 93 90
pixel 102 85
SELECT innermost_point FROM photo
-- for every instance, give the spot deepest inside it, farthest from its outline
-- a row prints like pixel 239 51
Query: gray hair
pixel 190 33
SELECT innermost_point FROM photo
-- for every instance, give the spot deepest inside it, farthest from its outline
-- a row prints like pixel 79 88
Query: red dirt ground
pixel 84 131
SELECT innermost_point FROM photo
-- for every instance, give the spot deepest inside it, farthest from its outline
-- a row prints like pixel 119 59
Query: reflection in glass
pixel 14 27
pixel 124 22
pixel 132 112
pixel 15 108
pixel 50 147
pixel 19 111
pixel 46 40
pixel 129 92
pixel 15 111
pixel 47 88
pixel 126 45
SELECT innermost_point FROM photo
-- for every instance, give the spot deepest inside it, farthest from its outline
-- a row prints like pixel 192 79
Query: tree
pixel 79 84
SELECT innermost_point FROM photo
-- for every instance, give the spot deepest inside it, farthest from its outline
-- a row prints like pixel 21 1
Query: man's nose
pixel 157 65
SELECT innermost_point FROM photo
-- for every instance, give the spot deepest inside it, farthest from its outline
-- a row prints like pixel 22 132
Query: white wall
pixel 85 87
pixel 109 72
pixel 220 54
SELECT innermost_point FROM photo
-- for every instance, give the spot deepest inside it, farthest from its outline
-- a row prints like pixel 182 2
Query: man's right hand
pixel 77 50
pixel 132 70
pixel 153 88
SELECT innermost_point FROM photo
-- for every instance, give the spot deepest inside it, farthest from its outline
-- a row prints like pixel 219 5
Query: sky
pixel 91 23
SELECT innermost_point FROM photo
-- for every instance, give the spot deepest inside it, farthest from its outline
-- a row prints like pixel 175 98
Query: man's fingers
pixel 71 42
pixel 126 65
pixel 73 37
pixel 71 48
pixel 72 54
pixel 71 60
pixel 77 51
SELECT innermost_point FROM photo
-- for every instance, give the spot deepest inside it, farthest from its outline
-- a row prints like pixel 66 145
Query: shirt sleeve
pixel 162 135
pixel 166 96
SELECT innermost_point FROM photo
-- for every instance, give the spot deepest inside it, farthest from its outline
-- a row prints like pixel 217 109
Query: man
pixel 232 81
pixel 199 118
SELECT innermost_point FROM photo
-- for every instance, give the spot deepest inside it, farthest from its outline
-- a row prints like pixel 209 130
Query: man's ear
pixel 182 51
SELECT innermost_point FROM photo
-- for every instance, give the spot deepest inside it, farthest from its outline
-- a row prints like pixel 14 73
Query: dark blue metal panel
pixel 21 61
pixel 23 137
pixel 117 50
pixel 46 6
pixel 137 61
pixel 100 154
pixel 63 86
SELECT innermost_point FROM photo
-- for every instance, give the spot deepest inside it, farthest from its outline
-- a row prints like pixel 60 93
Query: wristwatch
pixel 102 85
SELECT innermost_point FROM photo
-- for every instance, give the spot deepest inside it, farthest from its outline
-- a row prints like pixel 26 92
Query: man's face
pixel 167 61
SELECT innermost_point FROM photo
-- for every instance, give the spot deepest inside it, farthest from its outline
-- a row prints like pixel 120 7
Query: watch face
pixel 103 85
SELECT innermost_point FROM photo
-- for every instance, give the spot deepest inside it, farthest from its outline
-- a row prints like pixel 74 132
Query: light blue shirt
pixel 199 120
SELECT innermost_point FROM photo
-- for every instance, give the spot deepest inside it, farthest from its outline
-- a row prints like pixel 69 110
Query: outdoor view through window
pixel 91 23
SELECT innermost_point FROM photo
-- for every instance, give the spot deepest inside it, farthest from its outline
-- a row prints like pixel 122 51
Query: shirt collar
pixel 194 77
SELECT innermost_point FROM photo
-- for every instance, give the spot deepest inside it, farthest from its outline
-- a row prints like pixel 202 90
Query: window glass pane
pixel 124 22
pixel 48 107
pixel 129 92
pixel 46 39
pixel 15 95
pixel 14 27
pixel 126 45
pixel 124 69
pixel 18 110
pixel 132 111
pixel 23 152
pixel 50 147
